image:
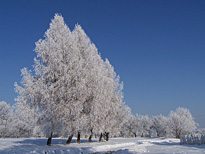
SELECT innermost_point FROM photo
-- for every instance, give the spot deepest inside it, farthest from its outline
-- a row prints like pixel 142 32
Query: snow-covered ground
pixel 114 146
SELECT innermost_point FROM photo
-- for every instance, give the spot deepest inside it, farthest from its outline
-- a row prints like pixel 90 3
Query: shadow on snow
pixel 39 146
pixel 55 141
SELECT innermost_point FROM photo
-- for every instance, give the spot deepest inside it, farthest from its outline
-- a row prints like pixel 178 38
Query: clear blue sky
pixel 157 47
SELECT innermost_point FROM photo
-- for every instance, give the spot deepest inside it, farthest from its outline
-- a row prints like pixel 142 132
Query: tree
pixel 144 123
pixel 130 126
pixel 71 89
pixel 26 118
pixel 41 90
pixel 159 124
pixel 15 121
pixel 5 113
pixel 181 122
pixel 86 76
pixel 110 109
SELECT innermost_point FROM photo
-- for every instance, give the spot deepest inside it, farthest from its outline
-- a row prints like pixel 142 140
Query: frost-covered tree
pixel 16 121
pixel 130 126
pixel 26 118
pixel 159 124
pixel 6 114
pixel 181 122
pixel 41 89
pixel 72 90
pixel 86 77
pixel 111 105
pixel 145 124
pixel 99 90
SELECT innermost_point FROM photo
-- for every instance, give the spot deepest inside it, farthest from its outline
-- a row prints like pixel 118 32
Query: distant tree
pixel 159 124
pixel 26 118
pixel 6 114
pixel 130 126
pixel 181 122
pixel 144 123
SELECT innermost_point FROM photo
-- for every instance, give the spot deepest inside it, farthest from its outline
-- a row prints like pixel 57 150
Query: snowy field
pixel 114 146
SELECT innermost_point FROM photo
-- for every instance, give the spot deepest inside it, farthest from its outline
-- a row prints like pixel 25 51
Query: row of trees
pixel 18 121
pixel 72 90
pixel 176 124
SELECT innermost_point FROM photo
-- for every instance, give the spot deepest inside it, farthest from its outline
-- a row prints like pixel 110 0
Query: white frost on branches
pixel 71 88
pixel 181 122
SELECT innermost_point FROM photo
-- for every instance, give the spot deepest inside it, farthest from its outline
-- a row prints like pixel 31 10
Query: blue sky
pixel 157 47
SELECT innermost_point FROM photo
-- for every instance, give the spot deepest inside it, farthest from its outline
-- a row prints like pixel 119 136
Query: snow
pixel 115 146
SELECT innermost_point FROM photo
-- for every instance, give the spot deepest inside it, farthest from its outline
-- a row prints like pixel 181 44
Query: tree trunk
pixel 100 137
pixel 78 137
pixel 135 134
pixel 49 140
pixel 107 136
pixel 177 134
pixel 157 131
pixel 90 138
pixel 5 128
pixel 69 139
